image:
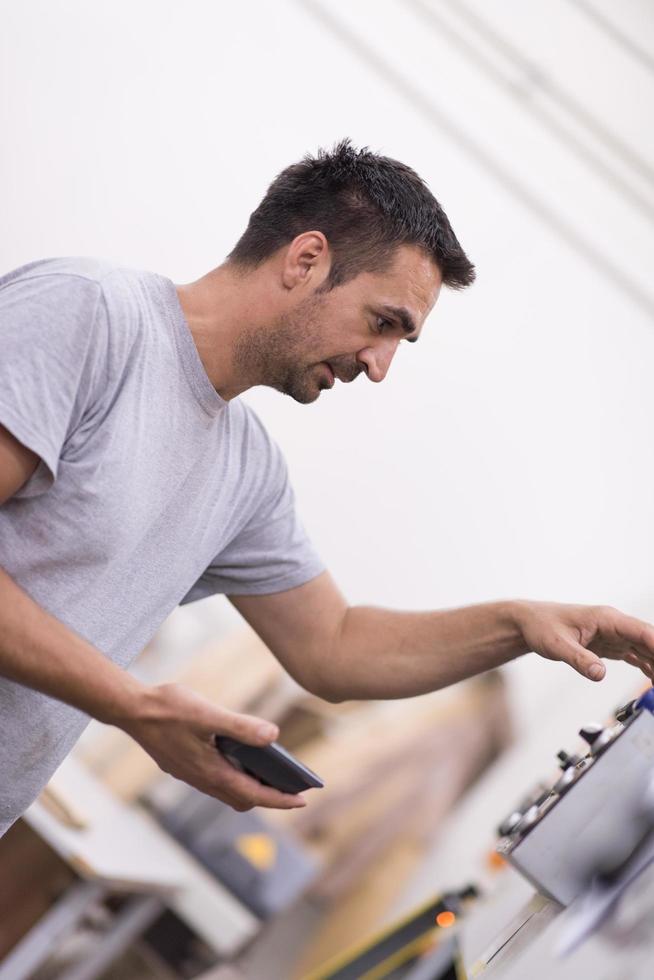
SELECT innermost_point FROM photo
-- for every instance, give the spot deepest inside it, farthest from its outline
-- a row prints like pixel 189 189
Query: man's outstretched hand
pixel 176 727
pixel 581 635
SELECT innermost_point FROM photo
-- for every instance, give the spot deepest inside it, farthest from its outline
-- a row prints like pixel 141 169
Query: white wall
pixel 510 452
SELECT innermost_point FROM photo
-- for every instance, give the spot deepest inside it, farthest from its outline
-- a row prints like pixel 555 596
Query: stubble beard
pixel 276 356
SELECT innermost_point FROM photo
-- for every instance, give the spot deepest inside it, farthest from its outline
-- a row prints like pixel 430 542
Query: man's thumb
pixel 247 728
pixel 586 662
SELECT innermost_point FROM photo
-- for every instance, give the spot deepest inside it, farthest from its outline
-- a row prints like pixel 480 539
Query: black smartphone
pixel 271 764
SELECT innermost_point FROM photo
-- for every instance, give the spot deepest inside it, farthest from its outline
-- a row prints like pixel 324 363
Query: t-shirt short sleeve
pixel 270 553
pixel 46 333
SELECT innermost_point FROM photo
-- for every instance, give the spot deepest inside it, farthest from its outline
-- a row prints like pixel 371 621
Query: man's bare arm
pixel 39 651
pixel 17 463
pixel 174 725
pixel 341 652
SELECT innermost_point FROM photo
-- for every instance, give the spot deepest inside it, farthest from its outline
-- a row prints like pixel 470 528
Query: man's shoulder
pixel 85 287
pixel 249 420
pixel 84 297
pixel 96 272
pixel 90 269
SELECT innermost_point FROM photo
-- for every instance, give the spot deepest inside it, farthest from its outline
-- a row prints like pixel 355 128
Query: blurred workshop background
pixel 509 454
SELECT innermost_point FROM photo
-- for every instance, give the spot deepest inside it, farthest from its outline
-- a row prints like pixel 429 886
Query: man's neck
pixel 218 307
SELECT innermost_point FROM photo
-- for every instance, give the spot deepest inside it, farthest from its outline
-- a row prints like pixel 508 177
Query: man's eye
pixel 383 324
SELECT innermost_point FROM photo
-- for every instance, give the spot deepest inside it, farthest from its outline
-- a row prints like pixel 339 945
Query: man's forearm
pixel 39 651
pixel 342 652
pixel 382 653
pixel 175 726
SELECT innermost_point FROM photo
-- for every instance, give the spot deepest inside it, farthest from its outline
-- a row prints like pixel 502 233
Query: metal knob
pixel 564 783
pixel 568 760
pixel 530 818
pixel 599 738
pixel 627 710
pixel 509 823
pixel 590 733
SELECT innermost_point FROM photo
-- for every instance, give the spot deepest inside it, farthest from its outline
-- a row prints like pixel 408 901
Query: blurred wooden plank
pixel 388 805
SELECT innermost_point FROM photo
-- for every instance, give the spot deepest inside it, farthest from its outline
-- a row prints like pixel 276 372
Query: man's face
pixel 355 327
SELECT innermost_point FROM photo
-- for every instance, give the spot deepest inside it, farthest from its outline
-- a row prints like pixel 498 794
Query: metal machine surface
pixel 596 822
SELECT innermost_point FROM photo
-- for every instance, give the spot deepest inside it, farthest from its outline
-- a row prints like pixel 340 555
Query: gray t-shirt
pixel 151 490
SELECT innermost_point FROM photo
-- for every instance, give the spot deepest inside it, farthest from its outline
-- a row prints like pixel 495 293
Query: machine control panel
pixel 597 813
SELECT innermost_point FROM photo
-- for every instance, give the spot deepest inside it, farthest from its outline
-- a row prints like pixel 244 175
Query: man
pixel 133 478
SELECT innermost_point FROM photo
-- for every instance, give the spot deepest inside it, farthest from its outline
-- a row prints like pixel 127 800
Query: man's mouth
pixel 345 373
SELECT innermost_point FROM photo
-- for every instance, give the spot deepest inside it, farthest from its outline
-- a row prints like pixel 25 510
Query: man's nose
pixel 377 360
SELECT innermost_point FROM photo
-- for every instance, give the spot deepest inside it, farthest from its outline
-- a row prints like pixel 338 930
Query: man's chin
pixel 304 397
pixel 303 391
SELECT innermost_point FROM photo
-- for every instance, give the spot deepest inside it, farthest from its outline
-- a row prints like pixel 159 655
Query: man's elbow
pixel 321 685
pixel 321 667
pixel 330 694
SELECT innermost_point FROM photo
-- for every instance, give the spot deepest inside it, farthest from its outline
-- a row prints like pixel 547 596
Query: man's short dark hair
pixel 365 205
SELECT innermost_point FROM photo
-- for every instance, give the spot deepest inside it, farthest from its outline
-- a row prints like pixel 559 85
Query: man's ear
pixel 307 261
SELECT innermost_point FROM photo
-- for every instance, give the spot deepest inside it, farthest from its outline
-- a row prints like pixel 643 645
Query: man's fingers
pixel 636 659
pixel 178 704
pixel 646 658
pixel 628 635
pixel 588 664
pixel 242 792
pixel 636 632
pixel 583 661
pixel 245 728
pixel 232 801
pixel 248 790
pixel 633 642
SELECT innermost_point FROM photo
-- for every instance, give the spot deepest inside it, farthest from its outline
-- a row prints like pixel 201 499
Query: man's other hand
pixel 581 635
pixel 176 727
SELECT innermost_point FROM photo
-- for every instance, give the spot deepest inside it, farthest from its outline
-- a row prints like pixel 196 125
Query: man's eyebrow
pixel 402 315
